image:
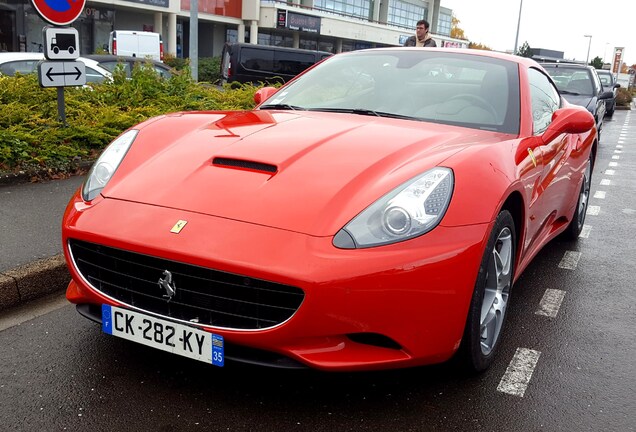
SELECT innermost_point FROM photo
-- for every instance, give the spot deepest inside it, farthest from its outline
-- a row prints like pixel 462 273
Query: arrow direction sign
pixel 61 73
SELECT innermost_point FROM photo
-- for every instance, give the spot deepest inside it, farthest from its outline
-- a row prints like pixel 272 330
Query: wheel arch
pixel 514 204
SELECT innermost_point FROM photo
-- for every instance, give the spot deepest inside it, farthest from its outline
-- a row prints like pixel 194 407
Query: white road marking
pixel 613 164
pixel 615 157
pixel 550 303
pixel 629 211
pixel 609 172
pixel 619 146
pixel 517 377
pixel 618 151
pixel 570 260
pixel 593 210
pixel 600 194
pixel 606 182
pixel 585 232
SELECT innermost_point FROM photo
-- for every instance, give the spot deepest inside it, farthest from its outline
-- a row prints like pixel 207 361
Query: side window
pixel 597 83
pixel 21 66
pixel 545 100
pixel 257 59
pixel 93 76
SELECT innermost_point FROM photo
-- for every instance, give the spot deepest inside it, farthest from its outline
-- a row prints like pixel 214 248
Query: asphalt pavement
pixel 31 261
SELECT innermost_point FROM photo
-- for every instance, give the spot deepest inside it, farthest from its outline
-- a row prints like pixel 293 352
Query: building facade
pixel 327 25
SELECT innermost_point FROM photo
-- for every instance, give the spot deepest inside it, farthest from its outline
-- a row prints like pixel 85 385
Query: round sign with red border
pixel 59 12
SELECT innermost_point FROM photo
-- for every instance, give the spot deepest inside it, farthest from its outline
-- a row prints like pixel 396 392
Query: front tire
pixel 575 227
pixel 491 294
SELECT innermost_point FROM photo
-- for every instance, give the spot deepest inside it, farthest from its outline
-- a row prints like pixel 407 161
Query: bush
pixel 33 140
pixel 209 67
pixel 623 97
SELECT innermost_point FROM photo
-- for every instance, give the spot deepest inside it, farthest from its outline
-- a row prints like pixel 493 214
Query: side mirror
pixel 263 94
pixel 571 120
pixel 617 86
pixel 606 95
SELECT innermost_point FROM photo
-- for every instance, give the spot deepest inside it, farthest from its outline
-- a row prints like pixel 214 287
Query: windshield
pixel 574 81
pixel 422 85
pixel 606 79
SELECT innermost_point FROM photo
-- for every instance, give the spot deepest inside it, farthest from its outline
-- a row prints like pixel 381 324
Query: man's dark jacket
pixel 410 42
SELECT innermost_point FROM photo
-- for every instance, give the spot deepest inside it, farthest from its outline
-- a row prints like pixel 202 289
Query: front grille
pixel 202 295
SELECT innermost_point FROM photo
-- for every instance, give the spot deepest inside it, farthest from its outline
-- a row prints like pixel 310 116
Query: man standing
pixel 422 37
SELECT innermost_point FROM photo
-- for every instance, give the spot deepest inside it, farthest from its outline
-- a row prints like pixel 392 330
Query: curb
pixel 33 280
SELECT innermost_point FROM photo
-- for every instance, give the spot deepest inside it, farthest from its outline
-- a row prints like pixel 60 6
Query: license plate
pixel 164 335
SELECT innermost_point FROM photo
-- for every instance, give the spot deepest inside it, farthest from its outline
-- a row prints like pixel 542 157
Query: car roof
pixel 6 57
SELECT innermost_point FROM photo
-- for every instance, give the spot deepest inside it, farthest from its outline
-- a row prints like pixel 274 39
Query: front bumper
pixel 392 306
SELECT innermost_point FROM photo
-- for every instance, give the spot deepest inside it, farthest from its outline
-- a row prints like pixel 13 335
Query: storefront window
pixel 355 8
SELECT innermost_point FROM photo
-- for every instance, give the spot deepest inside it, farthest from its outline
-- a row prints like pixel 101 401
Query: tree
pixel 525 50
pixel 597 62
pixel 479 46
pixel 456 31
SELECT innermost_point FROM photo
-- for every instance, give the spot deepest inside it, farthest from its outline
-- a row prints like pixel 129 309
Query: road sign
pixel 61 43
pixel 59 12
pixel 61 73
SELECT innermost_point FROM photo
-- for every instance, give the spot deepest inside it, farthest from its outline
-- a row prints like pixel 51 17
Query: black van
pixel 245 62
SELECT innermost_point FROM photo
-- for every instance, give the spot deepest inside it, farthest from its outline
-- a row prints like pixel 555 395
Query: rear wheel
pixel 491 294
pixel 578 218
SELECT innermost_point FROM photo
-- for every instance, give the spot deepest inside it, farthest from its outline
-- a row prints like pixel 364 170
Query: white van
pixel 136 44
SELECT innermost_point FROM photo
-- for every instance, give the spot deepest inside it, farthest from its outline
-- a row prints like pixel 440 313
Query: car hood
pixel 582 100
pixel 307 172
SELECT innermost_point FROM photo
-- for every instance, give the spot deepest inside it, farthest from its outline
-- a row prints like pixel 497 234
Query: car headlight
pixel 105 166
pixel 410 210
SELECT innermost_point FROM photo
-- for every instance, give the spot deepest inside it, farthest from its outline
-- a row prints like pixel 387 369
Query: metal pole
pixel 587 60
pixel 61 113
pixel 194 39
pixel 514 50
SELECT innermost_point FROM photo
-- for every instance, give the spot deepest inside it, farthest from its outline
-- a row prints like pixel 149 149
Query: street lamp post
pixel 589 44
pixel 514 51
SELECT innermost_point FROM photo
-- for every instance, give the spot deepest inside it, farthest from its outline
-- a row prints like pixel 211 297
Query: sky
pixel 559 25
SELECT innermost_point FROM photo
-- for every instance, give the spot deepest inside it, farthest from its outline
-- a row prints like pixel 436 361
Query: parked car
pixel 580 85
pixel 242 62
pixel 367 215
pixel 609 85
pixel 134 43
pixel 110 62
pixel 26 63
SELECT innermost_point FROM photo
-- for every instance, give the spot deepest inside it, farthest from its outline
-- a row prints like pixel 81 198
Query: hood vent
pixel 244 164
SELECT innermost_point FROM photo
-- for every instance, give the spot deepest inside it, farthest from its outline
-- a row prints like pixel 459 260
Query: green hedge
pixel 33 140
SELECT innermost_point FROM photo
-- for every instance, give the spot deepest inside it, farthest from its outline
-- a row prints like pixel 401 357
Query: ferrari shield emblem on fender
pixel 176 229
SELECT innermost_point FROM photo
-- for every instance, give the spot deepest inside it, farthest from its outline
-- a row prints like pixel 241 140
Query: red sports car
pixel 372 213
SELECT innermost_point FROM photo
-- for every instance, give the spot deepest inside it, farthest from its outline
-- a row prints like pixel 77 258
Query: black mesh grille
pixel 203 295
pixel 239 163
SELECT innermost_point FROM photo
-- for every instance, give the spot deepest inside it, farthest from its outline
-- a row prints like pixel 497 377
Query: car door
pixel 548 158
pixel 600 104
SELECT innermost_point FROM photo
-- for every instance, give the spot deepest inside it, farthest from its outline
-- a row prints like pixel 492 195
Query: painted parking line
pixel 570 260
pixel 609 172
pixel 517 377
pixel 615 157
pixel 593 210
pixel 550 303
pixel 600 194
pixel 605 182
pixel 613 164
pixel 585 232
pixel 619 146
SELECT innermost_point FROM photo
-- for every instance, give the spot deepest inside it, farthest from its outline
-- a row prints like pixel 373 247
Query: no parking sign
pixel 59 12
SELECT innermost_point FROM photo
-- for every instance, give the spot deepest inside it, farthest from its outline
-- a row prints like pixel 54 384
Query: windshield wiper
pixel 282 107
pixel 362 111
pixel 569 92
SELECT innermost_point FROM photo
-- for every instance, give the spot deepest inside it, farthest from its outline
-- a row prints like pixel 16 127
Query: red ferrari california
pixel 373 213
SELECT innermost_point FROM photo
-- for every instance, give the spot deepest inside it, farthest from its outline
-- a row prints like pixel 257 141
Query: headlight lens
pixel 106 165
pixel 410 210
